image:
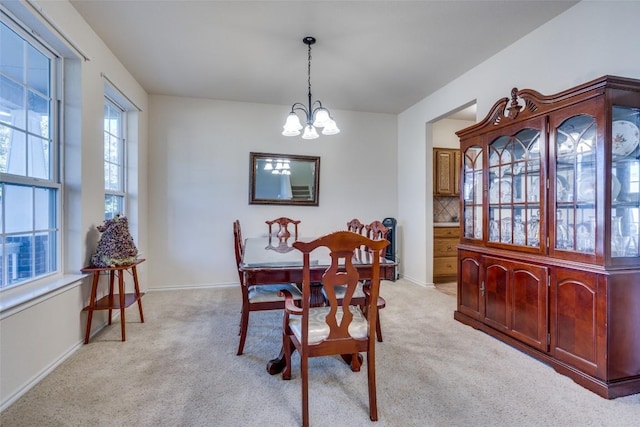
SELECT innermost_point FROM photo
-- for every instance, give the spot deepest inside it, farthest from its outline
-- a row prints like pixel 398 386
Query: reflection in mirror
pixel 282 179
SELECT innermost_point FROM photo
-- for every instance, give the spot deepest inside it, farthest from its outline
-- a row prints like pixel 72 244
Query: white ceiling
pixel 371 56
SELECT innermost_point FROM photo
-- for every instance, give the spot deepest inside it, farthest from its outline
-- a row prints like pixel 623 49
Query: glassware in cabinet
pixel 472 193
pixel 625 182
pixel 575 187
pixel 514 188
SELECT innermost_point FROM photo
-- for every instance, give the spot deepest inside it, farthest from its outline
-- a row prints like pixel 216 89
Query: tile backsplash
pixel 446 209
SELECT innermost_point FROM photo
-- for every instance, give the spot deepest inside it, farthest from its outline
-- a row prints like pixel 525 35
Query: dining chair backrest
pixel 377 231
pixel 283 230
pixel 355 225
pixel 239 246
pixel 342 246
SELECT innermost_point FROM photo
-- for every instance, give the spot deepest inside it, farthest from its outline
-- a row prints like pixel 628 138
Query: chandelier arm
pixel 301 107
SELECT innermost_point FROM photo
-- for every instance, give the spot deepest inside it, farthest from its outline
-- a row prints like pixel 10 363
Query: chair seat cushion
pixel 318 328
pixel 359 293
pixel 267 293
pixel 341 290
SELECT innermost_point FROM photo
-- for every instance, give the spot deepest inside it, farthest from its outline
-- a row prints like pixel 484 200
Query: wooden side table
pixel 108 302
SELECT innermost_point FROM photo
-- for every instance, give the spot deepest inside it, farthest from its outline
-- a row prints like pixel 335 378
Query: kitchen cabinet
pixel 445 261
pixel 549 260
pixel 446 172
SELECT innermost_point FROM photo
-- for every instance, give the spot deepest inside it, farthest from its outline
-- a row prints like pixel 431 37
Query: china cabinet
pixel 446 172
pixel 549 258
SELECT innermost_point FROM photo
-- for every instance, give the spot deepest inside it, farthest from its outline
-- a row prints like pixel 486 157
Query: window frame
pixel 53 182
pixel 122 148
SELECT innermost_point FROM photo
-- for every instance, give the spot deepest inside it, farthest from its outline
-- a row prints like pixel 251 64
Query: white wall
pixel 38 335
pixel 444 132
pixel 589 40
pixel 199 174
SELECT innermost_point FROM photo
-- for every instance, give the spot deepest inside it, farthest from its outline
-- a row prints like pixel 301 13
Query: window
pixel 30 190
pixel 114 170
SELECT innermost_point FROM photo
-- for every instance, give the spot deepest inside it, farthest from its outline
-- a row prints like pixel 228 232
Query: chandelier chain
pixel 309 70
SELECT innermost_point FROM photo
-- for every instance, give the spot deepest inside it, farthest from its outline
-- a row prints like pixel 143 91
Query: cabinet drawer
pixel 445 266
pixel 444 247
pixel 446 232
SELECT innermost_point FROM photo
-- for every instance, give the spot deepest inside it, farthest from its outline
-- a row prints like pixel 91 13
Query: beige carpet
pixel 180 369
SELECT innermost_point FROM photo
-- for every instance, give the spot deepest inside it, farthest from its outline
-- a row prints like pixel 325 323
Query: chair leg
pixel 371 376
pixel 378 329
pixel 304 366
pixel 287 349
pixel 244 325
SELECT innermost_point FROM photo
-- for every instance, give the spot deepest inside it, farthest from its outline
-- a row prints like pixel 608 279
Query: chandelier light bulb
pixel 321 118
pixel 292 126
pixel 330 128
pixel 310 132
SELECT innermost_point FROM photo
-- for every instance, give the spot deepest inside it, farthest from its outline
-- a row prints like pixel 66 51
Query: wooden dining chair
pixel 340 328
pixel 283 230
pixel 257 297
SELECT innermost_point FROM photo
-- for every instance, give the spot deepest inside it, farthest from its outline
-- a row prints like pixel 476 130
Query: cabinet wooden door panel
pixel 623 293
pixel 469 284
pixel 515 300
pixel 496 296
pixel 574 319
pixel 529 315
pixel 446 172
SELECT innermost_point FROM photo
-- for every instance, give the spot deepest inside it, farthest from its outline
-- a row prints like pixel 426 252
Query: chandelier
pixel 315 115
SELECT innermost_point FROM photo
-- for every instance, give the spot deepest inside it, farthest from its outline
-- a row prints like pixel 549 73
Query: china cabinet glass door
pixel 514 189
pixel 472 193
pixel 575 186
pixel 625 186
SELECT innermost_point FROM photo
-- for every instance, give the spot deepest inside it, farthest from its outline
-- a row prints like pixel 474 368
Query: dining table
pixel 270 260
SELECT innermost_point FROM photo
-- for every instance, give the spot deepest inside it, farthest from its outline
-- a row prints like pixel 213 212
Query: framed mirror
pixel 284 179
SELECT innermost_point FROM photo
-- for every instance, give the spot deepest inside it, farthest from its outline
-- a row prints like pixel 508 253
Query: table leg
pixel 354 363
pixel 121 289
pixel 92 302
pixel 134 271
pixel 111 273
pixel 316 297
pixel 275 366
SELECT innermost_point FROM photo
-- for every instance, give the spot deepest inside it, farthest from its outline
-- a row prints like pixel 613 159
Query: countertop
pixel 446 224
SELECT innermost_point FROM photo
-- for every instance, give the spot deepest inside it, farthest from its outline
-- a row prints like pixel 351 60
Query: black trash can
pixel 390 254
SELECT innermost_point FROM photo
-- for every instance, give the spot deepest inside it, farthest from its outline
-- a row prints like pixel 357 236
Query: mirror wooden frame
pixel 304 181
